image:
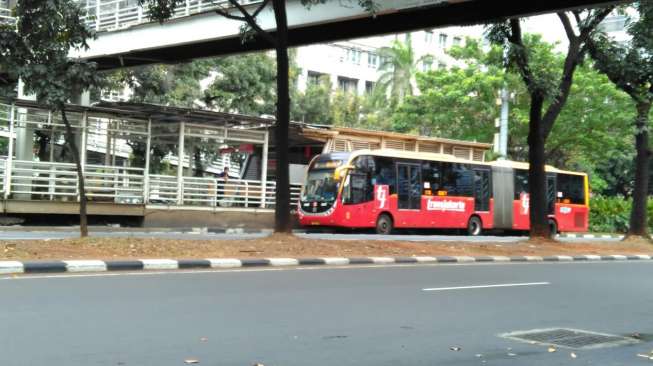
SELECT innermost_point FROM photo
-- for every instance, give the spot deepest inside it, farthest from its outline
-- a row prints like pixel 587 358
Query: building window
pixel 313 78
pixel 428 37
pixel 369 87
pixel 372 60
pixel 353 56
pixel 442 65
pixel 347 85
pixel 426 65
pixel 442 41
pixel 457 41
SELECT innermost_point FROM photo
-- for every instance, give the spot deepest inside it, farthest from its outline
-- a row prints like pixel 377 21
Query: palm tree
pixel 397 67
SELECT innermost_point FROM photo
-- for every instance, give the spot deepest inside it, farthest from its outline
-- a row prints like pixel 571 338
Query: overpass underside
pixel 127 37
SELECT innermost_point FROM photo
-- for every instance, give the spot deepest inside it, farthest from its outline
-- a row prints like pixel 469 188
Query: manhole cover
pixel 569 338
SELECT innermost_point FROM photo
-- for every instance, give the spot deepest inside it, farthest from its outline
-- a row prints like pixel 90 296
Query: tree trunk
pixel 539 227
pixel 638 222
pixel 282 222
pixel 70 140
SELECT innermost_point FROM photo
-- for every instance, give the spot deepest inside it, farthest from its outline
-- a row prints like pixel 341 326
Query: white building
pixel 354 65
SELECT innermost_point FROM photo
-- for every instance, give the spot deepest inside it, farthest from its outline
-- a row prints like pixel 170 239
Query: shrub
pixel 612 214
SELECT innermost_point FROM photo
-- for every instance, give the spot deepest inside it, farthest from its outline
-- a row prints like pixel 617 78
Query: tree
pixel 174 85
pixel 457 103
pixel 314 104
pixel 542 89
pixel 346 108
pixel 398 67
pixel 162 10
pixel 244 84
pixel 629 65
pixel 37 53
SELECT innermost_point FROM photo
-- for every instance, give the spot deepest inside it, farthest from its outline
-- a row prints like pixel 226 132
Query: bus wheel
pixel 474 226
pixel 553 228
pixel 384 225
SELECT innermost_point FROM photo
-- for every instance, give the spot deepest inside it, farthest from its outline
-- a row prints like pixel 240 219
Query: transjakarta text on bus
pixel 388 189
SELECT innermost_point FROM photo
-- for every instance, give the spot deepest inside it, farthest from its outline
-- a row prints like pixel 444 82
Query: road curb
pixel 77 266
pixel 592 236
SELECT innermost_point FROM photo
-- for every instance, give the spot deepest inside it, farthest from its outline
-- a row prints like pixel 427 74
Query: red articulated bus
pixel 389 189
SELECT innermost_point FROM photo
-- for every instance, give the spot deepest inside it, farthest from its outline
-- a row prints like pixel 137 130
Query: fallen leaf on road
pixel 191 360
pixel 455 348
pixel 552 349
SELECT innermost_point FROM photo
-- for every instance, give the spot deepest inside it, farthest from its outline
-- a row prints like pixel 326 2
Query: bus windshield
pixel 321 186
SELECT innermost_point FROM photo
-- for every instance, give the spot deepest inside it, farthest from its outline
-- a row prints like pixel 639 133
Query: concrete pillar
pixel 83 98
pixel 146 176
pixel 24 145
pixel 180 164
pixel 10 155
pixel 264 169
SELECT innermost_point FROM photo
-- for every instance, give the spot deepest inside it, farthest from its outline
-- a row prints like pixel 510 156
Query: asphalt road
pixel 199 235
pixel 340 316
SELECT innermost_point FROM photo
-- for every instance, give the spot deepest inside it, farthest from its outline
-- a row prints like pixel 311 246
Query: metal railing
pixel 108 15
pixel 212 192
pixel 35 180
pixel 6 17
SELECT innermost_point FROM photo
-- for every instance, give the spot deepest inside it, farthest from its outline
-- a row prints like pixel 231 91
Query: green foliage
pixel 457 103
pixel 346 109
pixel 609 214
pixel 175 85
pixel 245 84
pixel 314 104
pixel 37 51
pixel 629 64
pixel 397 68
pixel 612 214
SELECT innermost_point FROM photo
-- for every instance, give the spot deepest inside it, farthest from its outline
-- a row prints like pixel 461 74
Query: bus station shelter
pixel 137 159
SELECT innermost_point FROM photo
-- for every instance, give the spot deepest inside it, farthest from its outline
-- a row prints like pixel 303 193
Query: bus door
pixel 482 194
pixel 550 194
pixel 482 189
pixel 409 186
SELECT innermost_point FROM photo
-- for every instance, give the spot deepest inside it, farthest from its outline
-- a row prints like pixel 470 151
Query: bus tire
pixel 384 225
pixel 553 228
pixel 474 226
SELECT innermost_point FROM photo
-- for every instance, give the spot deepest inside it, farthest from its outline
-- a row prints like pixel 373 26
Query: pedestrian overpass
pixel 127 37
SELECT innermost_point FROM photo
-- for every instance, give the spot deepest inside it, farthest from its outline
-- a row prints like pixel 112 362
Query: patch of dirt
pixel 636 239
pixel 283 245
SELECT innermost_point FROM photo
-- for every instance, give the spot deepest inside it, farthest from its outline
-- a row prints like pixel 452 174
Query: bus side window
pixel 384 173
pixel 571 188
pixel 457 179
pixel 431 177
pixel 521 183
pixel 464 180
